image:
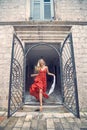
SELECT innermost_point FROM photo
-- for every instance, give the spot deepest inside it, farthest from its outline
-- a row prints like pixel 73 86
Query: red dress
pixel 40 82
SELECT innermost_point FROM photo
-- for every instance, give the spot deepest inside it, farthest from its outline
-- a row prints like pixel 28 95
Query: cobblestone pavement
pixel 42 121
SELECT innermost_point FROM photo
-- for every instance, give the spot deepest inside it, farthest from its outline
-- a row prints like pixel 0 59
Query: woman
pixel 38 88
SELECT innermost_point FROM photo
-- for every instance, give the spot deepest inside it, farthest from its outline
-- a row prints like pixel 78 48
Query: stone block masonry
pixel 65 10
pixel 43 121
pixel 80 52
pixel 6 36
pixel 71 10
pixel 12 10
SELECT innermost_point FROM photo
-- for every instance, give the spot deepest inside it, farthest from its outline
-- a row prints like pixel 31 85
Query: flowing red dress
pixel 40 82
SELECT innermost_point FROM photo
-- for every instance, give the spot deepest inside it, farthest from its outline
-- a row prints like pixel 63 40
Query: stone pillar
pixel 80 51
pixel 6 37
pixel 27 10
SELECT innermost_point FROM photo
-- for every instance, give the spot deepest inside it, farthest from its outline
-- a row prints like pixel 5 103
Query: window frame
pixel 42 3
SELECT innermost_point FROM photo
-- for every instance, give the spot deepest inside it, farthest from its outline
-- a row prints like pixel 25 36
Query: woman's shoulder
pixel 46 67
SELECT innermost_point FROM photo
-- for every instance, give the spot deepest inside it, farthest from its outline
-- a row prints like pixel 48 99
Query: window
pixel 47 9
pixel 42 9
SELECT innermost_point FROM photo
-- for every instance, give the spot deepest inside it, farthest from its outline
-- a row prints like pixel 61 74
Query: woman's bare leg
pixel 40 97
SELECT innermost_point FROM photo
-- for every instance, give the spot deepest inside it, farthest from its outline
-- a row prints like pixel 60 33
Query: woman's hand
pixel 31 75
pixel 53 75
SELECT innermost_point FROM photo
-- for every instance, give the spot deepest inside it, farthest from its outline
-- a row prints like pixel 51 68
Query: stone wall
pixel 12 10
pixel 80 52
pixel 6 35
pixel 71 10
pixel 65 10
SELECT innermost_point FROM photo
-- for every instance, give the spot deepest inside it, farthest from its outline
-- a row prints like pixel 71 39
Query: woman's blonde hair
pixel 38 67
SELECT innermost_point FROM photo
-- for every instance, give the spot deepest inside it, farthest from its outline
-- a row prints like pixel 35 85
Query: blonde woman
pixel 38 88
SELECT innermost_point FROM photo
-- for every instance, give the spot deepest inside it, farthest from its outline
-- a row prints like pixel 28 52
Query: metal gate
pixel 16 89
pixel 68 76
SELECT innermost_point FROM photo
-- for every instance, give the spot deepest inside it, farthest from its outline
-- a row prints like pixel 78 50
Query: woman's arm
pixel 49 72
pixel 33 75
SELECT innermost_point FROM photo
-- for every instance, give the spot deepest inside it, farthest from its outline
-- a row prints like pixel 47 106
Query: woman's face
pixel 41 62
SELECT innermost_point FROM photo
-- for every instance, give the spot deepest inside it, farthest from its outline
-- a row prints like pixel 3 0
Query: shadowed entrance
pixel 51 57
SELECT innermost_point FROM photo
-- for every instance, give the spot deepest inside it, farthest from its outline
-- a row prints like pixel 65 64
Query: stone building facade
pixel 71 15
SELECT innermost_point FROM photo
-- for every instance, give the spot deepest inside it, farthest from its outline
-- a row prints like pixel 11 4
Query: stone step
pixel 46 108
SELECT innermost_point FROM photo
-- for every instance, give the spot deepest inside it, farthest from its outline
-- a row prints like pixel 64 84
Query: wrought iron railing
pixel 16 88
pixel 68 75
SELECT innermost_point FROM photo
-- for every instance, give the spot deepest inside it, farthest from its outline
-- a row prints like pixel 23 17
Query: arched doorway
pixel 50 53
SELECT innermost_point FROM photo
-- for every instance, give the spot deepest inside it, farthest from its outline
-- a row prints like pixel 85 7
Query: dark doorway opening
pixel 49 54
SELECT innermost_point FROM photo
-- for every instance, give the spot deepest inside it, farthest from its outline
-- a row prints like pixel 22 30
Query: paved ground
pixel 42 121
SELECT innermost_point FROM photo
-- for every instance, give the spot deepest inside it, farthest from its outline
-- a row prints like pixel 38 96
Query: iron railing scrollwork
pixel 69 84
pixel 16 88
